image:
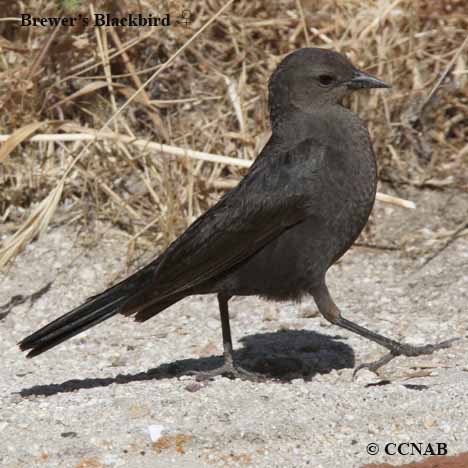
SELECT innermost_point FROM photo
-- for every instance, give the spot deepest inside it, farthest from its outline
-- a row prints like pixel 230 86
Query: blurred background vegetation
pixel 211 98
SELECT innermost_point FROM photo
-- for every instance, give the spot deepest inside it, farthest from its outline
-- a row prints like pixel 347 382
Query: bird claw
pixel 374 365
pixel 228 369
pixel 411 351
pixel 404 350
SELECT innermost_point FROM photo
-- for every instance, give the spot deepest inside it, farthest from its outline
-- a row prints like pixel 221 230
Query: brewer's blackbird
pixel 299 208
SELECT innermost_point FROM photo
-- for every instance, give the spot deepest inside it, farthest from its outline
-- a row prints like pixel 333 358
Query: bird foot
pixel 404 350
pixel 228 369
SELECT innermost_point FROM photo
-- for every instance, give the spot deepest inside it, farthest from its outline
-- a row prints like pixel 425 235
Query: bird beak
pixel 363 80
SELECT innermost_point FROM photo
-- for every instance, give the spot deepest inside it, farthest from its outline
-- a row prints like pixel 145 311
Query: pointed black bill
pixel 363 80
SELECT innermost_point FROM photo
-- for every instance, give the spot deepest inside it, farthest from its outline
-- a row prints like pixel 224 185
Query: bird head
pixel 310 78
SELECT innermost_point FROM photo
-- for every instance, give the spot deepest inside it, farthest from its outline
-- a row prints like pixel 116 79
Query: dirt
pixel 91 401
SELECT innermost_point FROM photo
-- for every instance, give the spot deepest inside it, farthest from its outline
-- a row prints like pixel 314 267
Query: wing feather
pixel 273 196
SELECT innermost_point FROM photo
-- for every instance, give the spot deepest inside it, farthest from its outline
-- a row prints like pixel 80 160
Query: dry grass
pixel 209 96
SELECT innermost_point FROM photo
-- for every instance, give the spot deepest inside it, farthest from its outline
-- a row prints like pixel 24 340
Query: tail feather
pixel 47 342
pixel 151 310
pixel 95 310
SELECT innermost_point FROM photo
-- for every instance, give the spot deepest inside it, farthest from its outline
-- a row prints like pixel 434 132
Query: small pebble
pixel 270 314
pixel 308 311
pixel 155 431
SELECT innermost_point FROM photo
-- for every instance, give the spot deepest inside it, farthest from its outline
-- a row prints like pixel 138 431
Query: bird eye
pixel 325 80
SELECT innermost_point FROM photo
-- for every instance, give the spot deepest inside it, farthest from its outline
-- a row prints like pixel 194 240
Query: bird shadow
pixel 279 356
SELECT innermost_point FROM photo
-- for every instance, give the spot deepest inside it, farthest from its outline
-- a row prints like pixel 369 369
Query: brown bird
pixel 299 208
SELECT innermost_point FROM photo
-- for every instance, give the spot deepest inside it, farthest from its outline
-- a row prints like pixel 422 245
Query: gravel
pixel 120 395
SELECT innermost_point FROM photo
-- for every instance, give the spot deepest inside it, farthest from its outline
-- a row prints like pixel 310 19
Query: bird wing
pixel 277 193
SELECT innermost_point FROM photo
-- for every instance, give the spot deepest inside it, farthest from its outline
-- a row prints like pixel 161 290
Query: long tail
pixel 95 310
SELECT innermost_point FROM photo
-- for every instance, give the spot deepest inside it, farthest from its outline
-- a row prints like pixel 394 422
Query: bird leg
pixel 331 313
pixel 229 368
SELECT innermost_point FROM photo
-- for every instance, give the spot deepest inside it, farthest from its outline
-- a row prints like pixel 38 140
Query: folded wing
pixel 275 195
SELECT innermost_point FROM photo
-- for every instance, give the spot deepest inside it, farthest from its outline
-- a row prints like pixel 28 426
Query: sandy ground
pixel 90 402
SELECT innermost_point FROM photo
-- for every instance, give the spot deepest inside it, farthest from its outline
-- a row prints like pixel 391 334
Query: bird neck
pixel 328 125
